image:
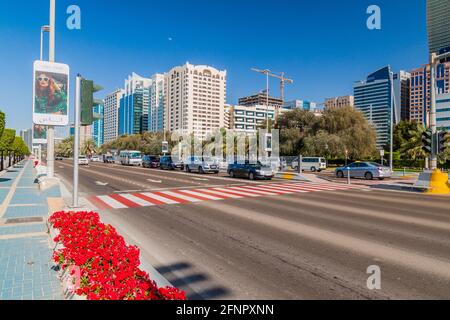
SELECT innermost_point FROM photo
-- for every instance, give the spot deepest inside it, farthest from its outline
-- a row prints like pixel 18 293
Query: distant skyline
pixel 325 47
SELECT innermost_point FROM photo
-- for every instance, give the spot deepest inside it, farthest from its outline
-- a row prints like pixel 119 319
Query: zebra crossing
pixel 187 196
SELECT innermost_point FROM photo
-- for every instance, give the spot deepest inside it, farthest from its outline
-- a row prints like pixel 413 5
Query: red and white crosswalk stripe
pixel 147 199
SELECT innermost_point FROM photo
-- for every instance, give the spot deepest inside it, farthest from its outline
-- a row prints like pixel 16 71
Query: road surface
pixel 287 241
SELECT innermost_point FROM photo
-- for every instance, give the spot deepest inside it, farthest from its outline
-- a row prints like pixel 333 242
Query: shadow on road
pixel 4 180
pixel 185 282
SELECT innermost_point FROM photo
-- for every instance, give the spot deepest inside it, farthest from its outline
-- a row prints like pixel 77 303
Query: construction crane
pixel 282 78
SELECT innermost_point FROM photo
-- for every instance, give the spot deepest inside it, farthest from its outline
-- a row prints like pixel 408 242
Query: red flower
pixel 109 268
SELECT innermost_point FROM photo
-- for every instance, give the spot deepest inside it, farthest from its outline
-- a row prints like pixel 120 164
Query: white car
pixel 83 161
pixel 96 159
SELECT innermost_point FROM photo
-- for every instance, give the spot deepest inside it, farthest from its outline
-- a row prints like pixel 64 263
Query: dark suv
pixel 150 161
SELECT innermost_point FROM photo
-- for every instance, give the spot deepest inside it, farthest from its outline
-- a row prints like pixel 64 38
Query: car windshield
pixel 82 157
pixel 135 155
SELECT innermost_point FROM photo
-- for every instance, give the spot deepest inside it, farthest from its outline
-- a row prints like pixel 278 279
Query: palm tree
pixel 413 147
pixel 89 148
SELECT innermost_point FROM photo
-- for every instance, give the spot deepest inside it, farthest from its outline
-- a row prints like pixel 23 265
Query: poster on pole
pixel 50 93
pixel 39 134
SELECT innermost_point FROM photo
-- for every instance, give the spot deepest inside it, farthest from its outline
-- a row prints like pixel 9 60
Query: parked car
pixel 96 159
pixel 250 171
pixel 167 163
pixel 150 161
pixel 201 165
pixel 313 164
pixel 59 158
pixel 366 170
pixel 108 159
pixel 83 161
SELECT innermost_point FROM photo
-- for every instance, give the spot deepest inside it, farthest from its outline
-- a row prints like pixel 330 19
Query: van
pixel 313 164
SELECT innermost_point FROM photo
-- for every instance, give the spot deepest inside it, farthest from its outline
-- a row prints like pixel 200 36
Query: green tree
pixel 2 122
pixel 65 147
pixel 6 142
pixel 19 149
pixel 413 146
pixel 89 147
pixel 353 129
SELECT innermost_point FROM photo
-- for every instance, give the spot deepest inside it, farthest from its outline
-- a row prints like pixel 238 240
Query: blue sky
pixel 323 45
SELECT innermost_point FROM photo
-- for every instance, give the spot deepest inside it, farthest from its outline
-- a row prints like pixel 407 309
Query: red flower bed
pixel 109 268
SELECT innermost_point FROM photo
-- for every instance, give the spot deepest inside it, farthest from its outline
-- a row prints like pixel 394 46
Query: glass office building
pixel 98 125
pixel 373 97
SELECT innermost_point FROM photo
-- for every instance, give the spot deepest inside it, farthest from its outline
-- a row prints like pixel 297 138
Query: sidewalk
pixel 25 252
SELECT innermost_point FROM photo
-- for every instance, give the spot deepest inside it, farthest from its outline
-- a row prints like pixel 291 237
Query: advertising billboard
pixel 50 93
pixel 39 134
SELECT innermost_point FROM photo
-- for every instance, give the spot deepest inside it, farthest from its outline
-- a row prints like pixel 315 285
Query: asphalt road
pixel 315 245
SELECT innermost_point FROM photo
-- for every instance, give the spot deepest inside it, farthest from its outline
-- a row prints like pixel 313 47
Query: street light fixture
pixel 43 29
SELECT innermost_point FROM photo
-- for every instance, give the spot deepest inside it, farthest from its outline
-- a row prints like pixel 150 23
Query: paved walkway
pixel 25 254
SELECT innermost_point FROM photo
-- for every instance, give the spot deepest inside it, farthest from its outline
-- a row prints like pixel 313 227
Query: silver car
pixel 366 170
pixel 200 165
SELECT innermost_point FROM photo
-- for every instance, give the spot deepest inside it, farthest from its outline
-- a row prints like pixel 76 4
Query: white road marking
pixel 200 179
pixel 154 181
pixel 137 200
pixel 112 202
pixel 207 196
pixel 159 198
pixel 181 196
pixel 99 183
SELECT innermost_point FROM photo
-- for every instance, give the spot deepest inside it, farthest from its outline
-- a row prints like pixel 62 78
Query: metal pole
pixel 76 147
pixel 348 176
pixel 433 163
pixel 300 162
pixel 51 130
pixel 391 150
pixel 267 99
pixel 42 44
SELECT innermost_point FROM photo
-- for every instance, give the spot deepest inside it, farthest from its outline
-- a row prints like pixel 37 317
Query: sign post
pixel 76 147
pixel 382 156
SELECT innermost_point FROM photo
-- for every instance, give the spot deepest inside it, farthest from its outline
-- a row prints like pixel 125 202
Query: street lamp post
pixel 51 130
pixel 43 29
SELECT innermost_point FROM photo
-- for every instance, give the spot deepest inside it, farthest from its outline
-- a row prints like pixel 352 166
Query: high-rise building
pixel 339 102
pixel 27 137
pixel 260 99
pixel 85 133
pixel 438 25
pixel 248 118
pixel 373 97
pixel 402 87
pixel 420 90
pixel 98 125
pixel 195 100
pixel 157 104
pixel 300 104
pixel 443 111
pixel 134 105
pixel 111 115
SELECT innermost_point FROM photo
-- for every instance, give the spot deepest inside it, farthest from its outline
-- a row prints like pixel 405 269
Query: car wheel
pixel 200 170
pixel 380 178
pixel 313 169
pixel 251 176
pixel 340 174
pixel 368 176
pixel 232 174
pixel 188 169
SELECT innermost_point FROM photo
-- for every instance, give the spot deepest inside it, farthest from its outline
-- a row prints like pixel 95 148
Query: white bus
pixel 130 158
pixel 314 164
